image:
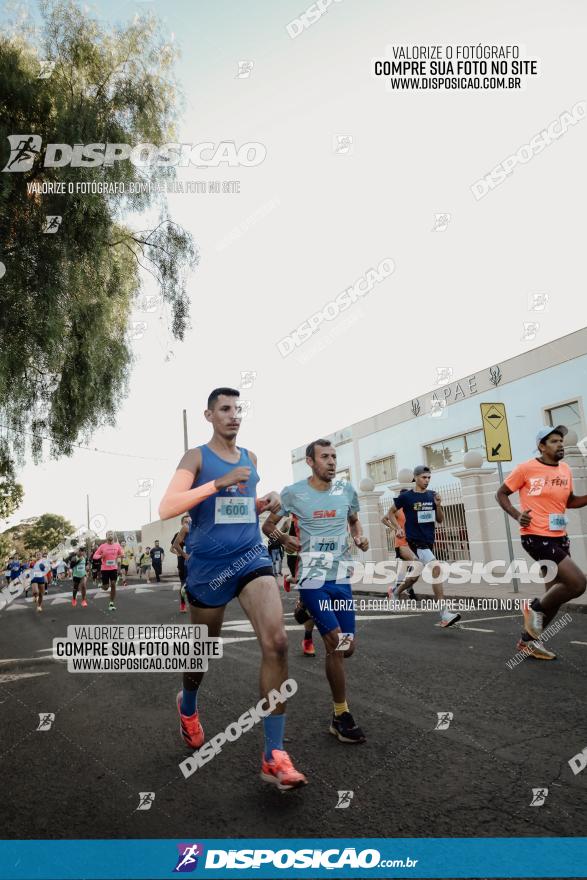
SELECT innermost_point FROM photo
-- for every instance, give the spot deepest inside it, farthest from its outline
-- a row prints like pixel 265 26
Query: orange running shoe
pixel 190 728
pixel 308 649
pixel 286 584
pixel 535 649
pixel 74 602
pixel 84 603
pixel 281 772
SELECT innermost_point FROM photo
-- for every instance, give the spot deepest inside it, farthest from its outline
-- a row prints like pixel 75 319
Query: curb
pixel 22 662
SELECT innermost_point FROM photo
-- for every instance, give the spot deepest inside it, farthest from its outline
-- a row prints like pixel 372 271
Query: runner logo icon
pixel 188 855
pixel 344 800
pixel 23 150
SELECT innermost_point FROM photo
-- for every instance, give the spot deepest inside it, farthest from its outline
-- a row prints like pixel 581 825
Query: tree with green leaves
pixel 12 541
pixel 49 530
pixel 66 297
pixel 11 492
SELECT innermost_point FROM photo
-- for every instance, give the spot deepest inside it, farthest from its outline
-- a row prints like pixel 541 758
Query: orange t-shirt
pixel 401 518
pixel 544 489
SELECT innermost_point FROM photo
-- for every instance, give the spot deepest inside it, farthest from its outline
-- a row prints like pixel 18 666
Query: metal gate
pixel 452 540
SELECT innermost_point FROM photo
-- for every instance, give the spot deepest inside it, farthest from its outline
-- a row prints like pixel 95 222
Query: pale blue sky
pixel 308 222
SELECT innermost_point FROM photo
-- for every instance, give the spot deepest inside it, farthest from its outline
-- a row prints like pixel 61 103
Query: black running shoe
pixel 343 727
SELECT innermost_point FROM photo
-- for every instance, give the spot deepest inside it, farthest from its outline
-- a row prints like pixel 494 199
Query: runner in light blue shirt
pixel 325 515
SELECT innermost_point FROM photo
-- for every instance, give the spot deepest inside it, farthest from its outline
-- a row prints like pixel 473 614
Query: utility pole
pixel 185 431
pixel 88 541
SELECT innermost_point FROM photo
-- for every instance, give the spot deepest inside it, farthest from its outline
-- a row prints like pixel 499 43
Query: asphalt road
pixel 115 735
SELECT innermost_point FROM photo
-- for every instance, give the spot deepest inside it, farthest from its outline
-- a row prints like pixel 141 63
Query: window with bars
pixel 452 450
pixel 382 470
pixel 568 414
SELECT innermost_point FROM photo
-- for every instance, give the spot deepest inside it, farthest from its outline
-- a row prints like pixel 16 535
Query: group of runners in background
pixel 107 564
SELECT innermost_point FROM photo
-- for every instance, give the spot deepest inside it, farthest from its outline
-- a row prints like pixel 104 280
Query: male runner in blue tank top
pixel 324 510
pixel 227 558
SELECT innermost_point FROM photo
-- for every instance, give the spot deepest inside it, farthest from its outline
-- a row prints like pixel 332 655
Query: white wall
pixel 164 532
pixel 524 398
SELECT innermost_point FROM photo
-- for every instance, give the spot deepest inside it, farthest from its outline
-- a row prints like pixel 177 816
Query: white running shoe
pixel 533 621
pixel 447 618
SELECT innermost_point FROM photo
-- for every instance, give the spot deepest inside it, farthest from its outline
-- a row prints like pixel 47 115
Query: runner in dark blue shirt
pixel 423 509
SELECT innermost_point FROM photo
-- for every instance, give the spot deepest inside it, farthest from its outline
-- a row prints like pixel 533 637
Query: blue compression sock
pixel 273 730
pixel 189 702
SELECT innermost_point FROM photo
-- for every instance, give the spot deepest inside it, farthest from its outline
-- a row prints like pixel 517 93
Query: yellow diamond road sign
pixel 495 429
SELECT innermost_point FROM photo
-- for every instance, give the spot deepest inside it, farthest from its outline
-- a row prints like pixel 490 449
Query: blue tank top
pixel 225 525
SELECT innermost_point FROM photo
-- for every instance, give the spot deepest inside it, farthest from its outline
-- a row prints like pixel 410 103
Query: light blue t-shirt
pixel 322 523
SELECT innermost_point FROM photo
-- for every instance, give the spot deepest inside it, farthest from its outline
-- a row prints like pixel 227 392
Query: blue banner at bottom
pixel 484 857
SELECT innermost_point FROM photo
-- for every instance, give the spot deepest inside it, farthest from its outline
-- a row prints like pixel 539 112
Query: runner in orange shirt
pixel 545 487
pixel 403 552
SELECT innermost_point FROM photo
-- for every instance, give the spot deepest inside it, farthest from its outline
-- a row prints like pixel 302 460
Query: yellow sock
pixel 339 708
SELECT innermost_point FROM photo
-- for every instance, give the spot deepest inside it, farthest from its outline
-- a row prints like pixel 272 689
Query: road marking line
pixel 36 661
pixel 578 643
pixel 246 626
pixel 500 617
pixel 389 616
pixel 476 629
pixel 4 679
pixel 238 639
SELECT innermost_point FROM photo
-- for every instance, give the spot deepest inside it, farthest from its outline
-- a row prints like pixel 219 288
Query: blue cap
pixel 543 433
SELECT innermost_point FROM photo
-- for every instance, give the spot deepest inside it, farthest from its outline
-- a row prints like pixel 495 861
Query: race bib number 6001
pixel 235 511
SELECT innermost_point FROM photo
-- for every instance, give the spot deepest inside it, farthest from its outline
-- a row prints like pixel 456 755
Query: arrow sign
pixel 495 431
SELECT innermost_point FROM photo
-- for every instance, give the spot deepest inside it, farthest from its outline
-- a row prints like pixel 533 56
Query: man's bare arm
pixel 356 530
pixel 270 526
pixel 177 546
pixel 389 519
pixel 575 501
pixel 502 496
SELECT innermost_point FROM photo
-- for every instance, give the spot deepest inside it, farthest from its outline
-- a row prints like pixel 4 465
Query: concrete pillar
pixel 577 526
pixel 484 517
pixel 370 516
pixel 163 531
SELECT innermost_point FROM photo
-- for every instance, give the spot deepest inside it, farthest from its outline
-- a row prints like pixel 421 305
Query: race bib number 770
pixel 327 543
